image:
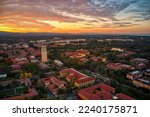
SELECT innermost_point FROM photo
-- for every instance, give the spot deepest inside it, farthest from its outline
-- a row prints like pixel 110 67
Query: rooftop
pixel 76 75
pixel 84 79
pixel 144 80
pixel 135 72
pixel 101 92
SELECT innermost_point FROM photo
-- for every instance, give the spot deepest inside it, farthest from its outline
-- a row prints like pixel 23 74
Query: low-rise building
pixel 141 66
pixel 84 82
pixel 53 84
pixel 137 61
pixel 58 63
pixel 99 58
pixel 126 54
pixel 34 51
pixel 83 60
pixel 24 95
pixel 43 66
pixel 3 75
pixel 119 66
pixel 134 74
pixel 77 54
pixel 96 92
pixel 142 82
pixel 101 92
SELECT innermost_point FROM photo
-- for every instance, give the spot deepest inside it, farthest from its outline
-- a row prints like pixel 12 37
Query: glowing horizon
pixel 76 16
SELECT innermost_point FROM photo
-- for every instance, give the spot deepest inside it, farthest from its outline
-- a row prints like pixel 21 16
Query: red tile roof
pixel 101 92
pixel 107 87
pixel 51 83
pixel 58 82
pixel 97 92
pixel 103 95
pixel 84 79
pixel 72 72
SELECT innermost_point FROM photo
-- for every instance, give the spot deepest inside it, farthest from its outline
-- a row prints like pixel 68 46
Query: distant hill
pixel 17 37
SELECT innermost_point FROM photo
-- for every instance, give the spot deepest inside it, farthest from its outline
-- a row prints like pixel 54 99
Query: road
pixel 105 79
pixel 98 76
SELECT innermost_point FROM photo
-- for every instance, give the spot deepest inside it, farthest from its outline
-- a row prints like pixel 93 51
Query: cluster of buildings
pixel 120 40
pixel 34 52
pixel 139 63
pixel 85 85
pixel 19 54
pixel 138 71
pixel 55 42
pixel 98 58
pixel 70 75
pixel 84 56
pixel 18 62
pixel 63 42
pixel 58 63
pixel 79 79
pixel 140 78
pixel 53 84
pixel 3 74
pixel 101 92
pixel 138 68
pixel 21 95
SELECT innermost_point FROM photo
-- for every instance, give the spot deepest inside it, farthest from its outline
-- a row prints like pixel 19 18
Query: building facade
pixel 44 53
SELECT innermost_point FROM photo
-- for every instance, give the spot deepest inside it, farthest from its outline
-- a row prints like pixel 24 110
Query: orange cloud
pixel 75 16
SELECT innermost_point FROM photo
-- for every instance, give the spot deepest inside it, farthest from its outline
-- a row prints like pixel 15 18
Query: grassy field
pixel 13 91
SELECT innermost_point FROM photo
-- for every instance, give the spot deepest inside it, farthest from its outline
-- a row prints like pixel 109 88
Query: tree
pixel 30 67
pixel 60 91
pixel 15 83
pixel 25 75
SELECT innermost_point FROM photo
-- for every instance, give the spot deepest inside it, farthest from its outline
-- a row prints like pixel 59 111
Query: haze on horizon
pixel 75 16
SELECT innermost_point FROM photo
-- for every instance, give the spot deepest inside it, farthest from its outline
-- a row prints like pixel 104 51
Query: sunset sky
pixel 75 16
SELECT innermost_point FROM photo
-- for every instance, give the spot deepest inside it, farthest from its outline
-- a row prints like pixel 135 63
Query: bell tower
pixel 44 53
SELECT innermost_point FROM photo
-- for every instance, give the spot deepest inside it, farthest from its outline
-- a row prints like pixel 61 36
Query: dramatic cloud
pixel 73 15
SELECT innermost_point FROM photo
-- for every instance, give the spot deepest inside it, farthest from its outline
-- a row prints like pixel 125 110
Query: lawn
pixel 21 89
pixel 13 91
